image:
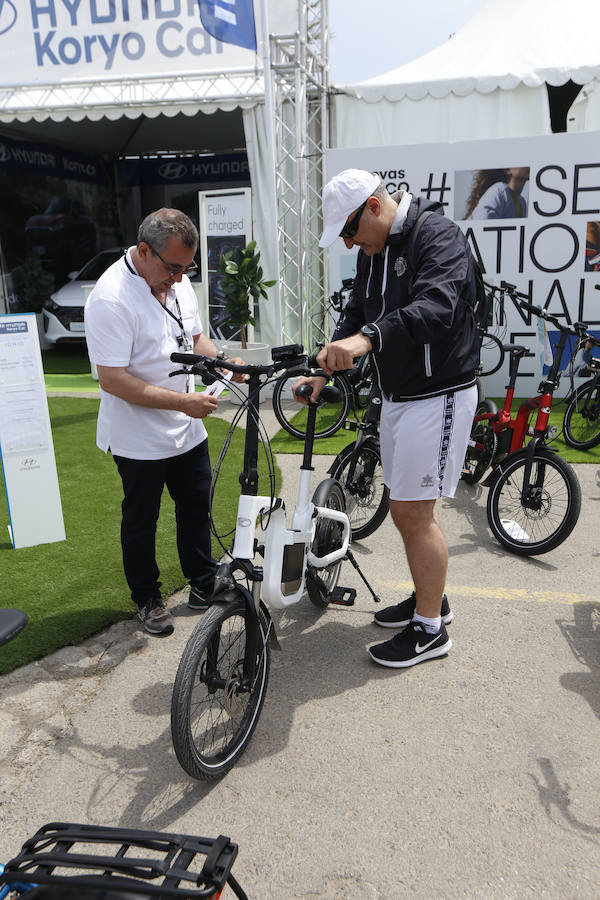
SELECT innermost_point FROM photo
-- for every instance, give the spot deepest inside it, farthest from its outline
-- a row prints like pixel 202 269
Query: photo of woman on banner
pixel 497 194
pixel 592 247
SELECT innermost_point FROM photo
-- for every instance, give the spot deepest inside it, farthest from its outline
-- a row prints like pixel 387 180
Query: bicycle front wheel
pixel 320 583
pixel 479 458
pixel 491 354
pixel 582 417
pixel 360 474
pixel 292 415
pixel 220 687
pixel 547 514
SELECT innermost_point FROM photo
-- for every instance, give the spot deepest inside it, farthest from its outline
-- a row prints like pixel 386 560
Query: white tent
pixel 488 80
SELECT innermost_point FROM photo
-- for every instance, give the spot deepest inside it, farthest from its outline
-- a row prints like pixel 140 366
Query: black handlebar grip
pixel 186 359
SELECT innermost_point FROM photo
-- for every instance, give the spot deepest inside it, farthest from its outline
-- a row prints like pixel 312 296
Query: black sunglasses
pixel 351 227
pixel 173 268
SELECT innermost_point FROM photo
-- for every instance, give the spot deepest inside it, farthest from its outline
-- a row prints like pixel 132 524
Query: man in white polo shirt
pixel 141 310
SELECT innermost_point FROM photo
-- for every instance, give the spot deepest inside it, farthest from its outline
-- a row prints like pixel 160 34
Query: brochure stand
pixel 26 448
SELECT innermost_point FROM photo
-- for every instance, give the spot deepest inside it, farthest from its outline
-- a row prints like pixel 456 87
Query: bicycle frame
pixel 287 551
pixel 542 402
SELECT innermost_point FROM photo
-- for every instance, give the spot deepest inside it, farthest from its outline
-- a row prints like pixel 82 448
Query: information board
pixel 530 209
pixel 26 448
pixel 225 223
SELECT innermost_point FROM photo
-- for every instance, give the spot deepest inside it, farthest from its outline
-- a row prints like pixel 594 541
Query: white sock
pixel 431 626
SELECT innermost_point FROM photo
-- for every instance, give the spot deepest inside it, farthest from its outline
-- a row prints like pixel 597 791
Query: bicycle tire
pixel 478 461
pixel 367 500
pixel 529 532
pixel 581 421
pixel 493 344
pixel 292 415
pixel 320 583
pixel 213 716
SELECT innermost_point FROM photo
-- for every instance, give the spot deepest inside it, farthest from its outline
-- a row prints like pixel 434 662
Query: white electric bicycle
pixel 223 673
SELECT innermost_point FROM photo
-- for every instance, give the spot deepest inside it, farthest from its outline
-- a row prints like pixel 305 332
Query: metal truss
pixel 299 71
pixel 193 92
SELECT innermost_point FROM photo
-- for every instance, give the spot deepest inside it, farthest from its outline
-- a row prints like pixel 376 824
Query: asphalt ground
pixel 471 776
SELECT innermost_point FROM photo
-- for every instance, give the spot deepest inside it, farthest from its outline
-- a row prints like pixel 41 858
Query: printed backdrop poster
pixel 530 209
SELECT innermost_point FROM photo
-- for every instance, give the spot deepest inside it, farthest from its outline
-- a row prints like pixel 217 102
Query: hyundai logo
pixel 8 15
pixel 172 170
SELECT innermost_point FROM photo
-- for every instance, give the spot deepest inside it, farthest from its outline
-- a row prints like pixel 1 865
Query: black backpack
pixel 481 307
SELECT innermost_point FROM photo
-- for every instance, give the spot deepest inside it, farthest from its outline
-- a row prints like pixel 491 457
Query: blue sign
pixel 23 157
pixel 197 170
pixel 230 21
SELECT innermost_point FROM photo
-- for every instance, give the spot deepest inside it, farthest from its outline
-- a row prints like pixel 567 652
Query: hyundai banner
pixel 51 41
pixel 530 209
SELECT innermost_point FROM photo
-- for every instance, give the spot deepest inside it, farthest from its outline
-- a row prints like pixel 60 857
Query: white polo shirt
pixel 125 325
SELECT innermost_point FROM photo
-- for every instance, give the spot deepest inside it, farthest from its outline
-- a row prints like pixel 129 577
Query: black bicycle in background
pixel 358 470
pixel 354 386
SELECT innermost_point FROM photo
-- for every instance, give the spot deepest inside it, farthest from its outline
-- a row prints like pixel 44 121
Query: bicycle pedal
pixel 343 596
pixel 350 425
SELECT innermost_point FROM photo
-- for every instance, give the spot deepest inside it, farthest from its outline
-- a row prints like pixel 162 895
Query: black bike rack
pixel 170 871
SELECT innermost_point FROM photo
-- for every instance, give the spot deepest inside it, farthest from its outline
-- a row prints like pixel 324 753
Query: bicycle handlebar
pixel 196 363
pixel 579 329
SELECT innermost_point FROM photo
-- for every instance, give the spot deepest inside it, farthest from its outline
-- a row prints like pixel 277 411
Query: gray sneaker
pixel 399 615
pixel 156 618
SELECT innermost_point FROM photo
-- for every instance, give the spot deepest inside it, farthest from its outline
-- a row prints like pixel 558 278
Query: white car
pixel 62 313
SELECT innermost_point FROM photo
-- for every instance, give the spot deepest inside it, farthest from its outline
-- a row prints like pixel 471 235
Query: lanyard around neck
pixel 178 318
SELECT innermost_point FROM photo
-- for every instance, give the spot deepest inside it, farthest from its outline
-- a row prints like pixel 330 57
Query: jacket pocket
pixel 427 352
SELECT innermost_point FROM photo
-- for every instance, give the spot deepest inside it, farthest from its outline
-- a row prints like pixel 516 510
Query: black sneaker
pixel 155 617
pixel 199 599
pixel 401 614
pixel 411 646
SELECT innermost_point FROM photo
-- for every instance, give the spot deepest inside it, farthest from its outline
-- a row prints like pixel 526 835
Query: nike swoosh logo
pixel 419 649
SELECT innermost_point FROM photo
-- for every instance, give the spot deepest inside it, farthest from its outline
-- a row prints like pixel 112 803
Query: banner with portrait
pixel 530 209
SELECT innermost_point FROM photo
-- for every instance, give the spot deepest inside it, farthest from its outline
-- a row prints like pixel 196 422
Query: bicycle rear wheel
pixel 328 536
pixel 215 706
pixel 360 475
pixel 582 416
pixel 292 415
pixel 478 459
pixel 548 514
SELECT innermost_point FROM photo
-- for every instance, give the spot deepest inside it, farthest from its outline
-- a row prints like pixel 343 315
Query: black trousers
pixel 187 478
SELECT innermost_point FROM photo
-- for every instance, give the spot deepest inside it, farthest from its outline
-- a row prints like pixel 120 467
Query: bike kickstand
pixel 351 558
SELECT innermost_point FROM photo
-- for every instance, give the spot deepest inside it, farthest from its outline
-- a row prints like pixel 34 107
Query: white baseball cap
pixel 342 195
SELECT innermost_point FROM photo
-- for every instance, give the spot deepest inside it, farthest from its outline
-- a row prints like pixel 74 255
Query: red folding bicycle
pixel 535 498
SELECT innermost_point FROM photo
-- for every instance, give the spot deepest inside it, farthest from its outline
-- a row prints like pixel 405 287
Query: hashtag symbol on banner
pixel 430 191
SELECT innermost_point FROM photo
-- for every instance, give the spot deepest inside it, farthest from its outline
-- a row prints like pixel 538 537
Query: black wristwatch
pixel 372 334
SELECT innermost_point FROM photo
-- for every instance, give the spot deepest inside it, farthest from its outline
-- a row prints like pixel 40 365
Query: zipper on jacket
pixel 427 349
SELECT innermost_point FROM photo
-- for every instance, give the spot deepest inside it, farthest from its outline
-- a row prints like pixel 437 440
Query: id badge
pixel 184 343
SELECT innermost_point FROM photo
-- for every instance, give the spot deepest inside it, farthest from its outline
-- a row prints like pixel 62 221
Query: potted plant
pixel 242 278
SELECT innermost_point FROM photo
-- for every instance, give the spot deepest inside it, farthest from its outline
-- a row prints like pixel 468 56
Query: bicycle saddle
pixel 329 394
pixel 517 350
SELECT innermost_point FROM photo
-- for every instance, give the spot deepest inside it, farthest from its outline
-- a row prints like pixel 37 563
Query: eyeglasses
pixel 173 268
pixel 351 227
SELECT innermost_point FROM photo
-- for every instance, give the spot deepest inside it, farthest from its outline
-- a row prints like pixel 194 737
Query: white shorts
pixel 423 444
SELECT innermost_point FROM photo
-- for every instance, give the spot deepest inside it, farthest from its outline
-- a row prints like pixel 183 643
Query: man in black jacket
pixel 412 306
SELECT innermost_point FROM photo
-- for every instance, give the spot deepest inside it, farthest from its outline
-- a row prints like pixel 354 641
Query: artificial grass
pixel 282 442
pixel 73 588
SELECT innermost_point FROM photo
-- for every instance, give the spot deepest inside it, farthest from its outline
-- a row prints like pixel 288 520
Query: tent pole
pixel 270 122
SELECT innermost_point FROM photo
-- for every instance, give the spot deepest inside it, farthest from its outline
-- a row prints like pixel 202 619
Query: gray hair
pixel 162 224
pixel 381 192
